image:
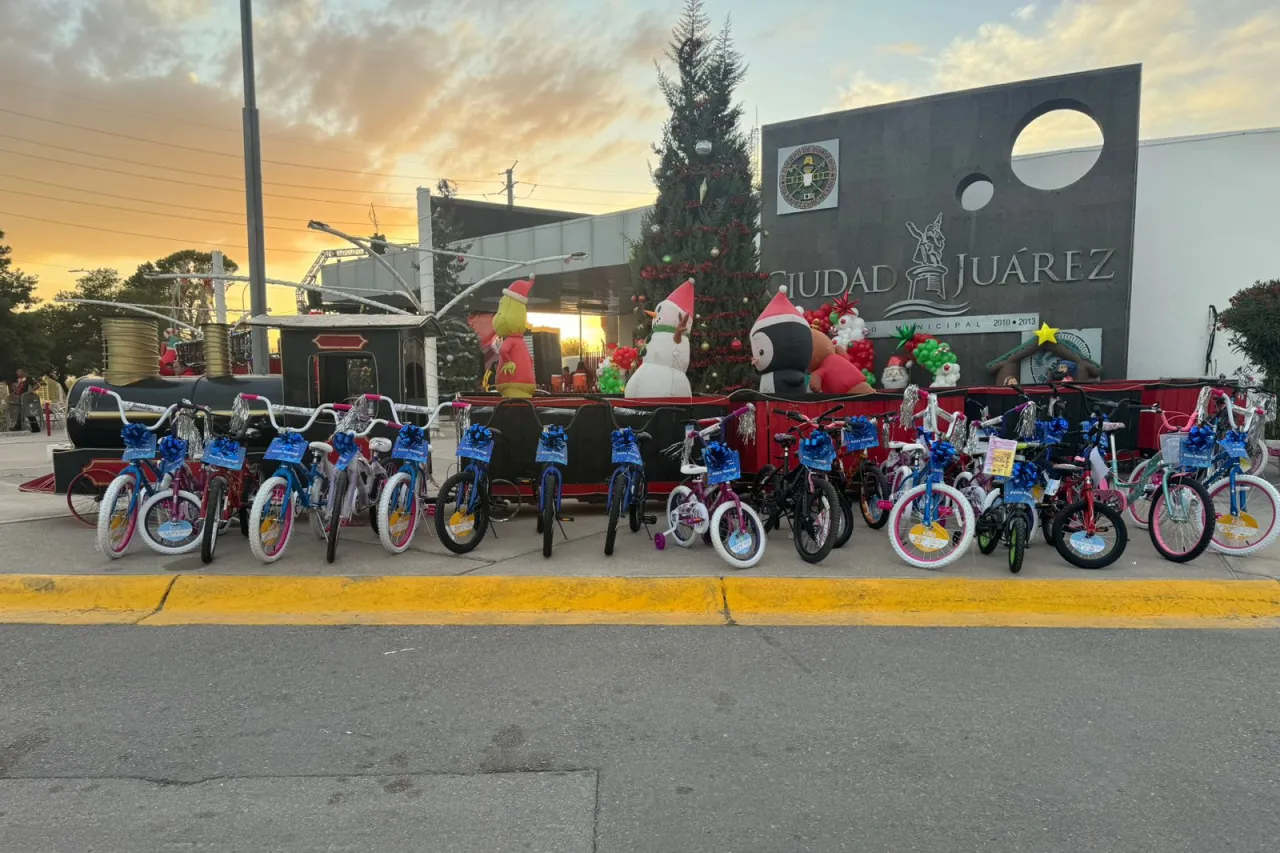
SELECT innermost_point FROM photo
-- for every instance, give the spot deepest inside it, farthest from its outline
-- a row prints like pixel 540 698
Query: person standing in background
pixel 23 386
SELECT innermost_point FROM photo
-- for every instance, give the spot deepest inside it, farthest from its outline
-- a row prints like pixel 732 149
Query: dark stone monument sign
pixel 868 202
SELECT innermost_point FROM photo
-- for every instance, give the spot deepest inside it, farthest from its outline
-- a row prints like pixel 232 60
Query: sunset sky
pixel 124 115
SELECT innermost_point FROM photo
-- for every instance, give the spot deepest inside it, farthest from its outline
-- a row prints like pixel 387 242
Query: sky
pixel 120 136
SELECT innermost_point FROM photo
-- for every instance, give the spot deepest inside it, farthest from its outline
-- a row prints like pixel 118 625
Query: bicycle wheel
pixel 872 488
pixel 462 514
pixel 988 528
pixel 1253 525
pixel 84 497
pixel 271 519
pixel 683 533
pixel 1089 542
pixel 504 500
pixel 815 526
pixel 939 541
pixel 845 518
pixel 1141 488
pixel 1018 534
pixel 639 493
pixel 319 503
pixel 763 497
pixel 737 534
pixel 398 510
pixel 376 484
pixel 1182 519
pixel 214 502
pixel 171 524
pixel 337 513
pixel 617 494
pixel 118 516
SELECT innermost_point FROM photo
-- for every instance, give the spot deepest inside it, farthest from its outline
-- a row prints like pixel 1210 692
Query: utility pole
pixel 427 294
pixel 511 186
pixel 253 193
pixel 219 289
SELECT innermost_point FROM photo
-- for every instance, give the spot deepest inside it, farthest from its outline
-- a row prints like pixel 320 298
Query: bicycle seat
pixel 785 439
pixel 906 446
pixel 322 447
pixel 642 437
pixel 1064 469
pixel 380 445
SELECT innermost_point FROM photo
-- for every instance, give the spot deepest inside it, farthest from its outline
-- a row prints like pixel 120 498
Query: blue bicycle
pixel 1247 507
pixel 469 500
pixel 628 483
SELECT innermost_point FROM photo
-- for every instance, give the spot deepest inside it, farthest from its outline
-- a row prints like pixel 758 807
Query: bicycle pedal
pixel 649 519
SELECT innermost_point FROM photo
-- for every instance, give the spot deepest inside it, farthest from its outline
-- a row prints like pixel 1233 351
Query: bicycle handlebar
pixel 272 408
pixel 1249 414
pixel 125 406
pixel 398 409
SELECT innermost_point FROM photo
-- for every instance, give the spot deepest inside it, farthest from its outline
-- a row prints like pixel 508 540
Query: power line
pixel 146 236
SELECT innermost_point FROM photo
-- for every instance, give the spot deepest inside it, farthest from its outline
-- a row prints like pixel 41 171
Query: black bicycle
pixel 803 494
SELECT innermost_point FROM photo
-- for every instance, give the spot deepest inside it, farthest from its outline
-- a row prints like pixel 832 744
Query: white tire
pixel 1222 542
pixel 398 481
pixel 903 505
pixel 260 501
pixel 319 498
pixel 678 496
pixel 117 489
pixel 761 540
pixel 189 508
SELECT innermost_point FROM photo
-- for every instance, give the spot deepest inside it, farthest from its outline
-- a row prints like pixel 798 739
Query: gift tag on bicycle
pixel 287 448
pixel 1235 448
pixel 552 450
pixel 999 460
pixel 142 447
pixel 817 452
pixel 1189 457
pixel 723 466
pixel 347 450
pixel 411 448
pixel 1018 495
pixel 860 437
pixel 224 454
pixel 626 452
pixel 479 448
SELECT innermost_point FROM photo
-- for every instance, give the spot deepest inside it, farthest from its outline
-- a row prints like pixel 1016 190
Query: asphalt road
pixel 638 739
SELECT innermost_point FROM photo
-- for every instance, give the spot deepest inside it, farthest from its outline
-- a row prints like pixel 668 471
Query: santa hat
pixel 779 310
pixel 519 290
pixel 898 361
pixel 682 297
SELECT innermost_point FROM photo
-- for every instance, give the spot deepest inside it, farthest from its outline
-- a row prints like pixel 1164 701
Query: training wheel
pixel 659 541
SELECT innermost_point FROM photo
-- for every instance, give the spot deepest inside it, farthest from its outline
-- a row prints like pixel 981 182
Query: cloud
pixel 902 48
pixel 1025 13
pixel 393 87
pixel 1202 71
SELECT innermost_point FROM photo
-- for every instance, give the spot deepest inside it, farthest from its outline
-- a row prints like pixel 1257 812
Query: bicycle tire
pixel 386 527
pixel 846 519
pixel 1078 560
pixel 188 508
pixel 872 487
pixel 260 501
pixel 617 493
pixel 640 493
pixel 1017 536
pixel 479 522
pixel 84 498
pixel 318 500
pixel 338 503
pixel 764 499
pixel 987 529
pixel 115 490
pixel 214 497
pixel 1158 505
pixel 1139 494
pixel 377 484
pixel 1222 540
pixel 966 522
pixel 823 491
pixel 678 495
pixel 752 524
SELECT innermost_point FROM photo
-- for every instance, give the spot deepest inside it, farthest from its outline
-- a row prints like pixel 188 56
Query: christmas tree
pixel 705 221
pixel 460 362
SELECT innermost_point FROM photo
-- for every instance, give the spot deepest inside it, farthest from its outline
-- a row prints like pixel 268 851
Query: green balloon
pixel 834 318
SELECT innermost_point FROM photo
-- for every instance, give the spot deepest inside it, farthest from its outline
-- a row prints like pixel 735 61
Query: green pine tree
pixel 459 362
pixel 706 218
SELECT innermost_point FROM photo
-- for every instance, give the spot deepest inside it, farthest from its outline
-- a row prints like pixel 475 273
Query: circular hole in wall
pixel 975 191
pixel 1062 130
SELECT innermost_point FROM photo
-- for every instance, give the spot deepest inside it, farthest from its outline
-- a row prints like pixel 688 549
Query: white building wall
pixel 1205 227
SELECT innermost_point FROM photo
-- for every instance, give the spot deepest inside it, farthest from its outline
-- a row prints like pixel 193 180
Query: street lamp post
pixel 253 193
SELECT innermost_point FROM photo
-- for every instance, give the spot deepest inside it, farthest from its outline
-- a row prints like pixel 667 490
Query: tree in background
pixel 193 299
pixel 1253 319
pixel 70 336
pixel 705 221
pixel 17 331
pixel 459 361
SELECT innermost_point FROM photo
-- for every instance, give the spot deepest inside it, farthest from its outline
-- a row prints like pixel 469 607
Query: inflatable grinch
pixel 781 347
pixel 515 366
pixel 666 355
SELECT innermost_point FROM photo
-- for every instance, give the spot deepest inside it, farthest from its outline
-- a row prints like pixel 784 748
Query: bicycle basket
pixel 723 465
pixel 225 453
pixel 817 452
pixel 553 445
pixel 139 442
pixel 476 443
pixel 411 444
pixel 860 434
pixel 626 449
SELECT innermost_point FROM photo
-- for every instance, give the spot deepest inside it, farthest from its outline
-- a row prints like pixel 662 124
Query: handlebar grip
pixel 740 412
pixel 707 421
pixel 341 407
pixel 94 389
pixel 373 398
pixel 458 404
pixel 250 396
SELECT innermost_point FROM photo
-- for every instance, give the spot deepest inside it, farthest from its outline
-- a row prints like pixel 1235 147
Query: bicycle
pixel 1239 498
pixel 173 518
pixel 296 484
pixel 628 483
pixel 469 492
pixel 403 500
pixel 118 510
pixel 928 504
pixel 803 494
pixel 356 476
pixel 861 434
pixel 708 503
pixel 1007 511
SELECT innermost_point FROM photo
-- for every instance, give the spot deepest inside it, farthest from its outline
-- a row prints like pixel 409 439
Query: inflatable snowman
pixel 666 355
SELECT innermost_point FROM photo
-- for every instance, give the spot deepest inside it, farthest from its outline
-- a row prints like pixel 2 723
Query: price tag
pixel 1000 457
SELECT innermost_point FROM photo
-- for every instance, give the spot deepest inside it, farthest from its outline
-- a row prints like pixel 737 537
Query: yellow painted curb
pixel 80 599
pixel 947 602
pixel 250 600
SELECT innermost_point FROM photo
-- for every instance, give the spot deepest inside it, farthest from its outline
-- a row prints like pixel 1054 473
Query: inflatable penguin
pixel 781 347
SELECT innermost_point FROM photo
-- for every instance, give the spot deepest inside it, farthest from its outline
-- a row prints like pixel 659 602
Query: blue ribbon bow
pixel 412 435
pixel 1025 475
pixel 134 435
pixel 344 443
pixel 223 447
pixel 172 450
pixel 623 439
pixel 816 444
pixel 717 455
pixel 859 426
pixel 292 438
pixel 1200 438
pixel 554 437
pixel 1052 432
pixel 479 435
pixel 1235 436
pixel 942 454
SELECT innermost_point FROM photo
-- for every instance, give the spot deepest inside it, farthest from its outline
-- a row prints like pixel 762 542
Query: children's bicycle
pixel 124 495
pixel 708 503
pixel 1247 507
pixel 466 504
pixel 865 479
pixel 356 476
pixel 302 480
pixel 628 484
pixel 803 494
pixel 403 501
pixel 229 486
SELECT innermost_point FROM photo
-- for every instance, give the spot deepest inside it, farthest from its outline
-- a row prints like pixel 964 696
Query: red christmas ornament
pixel 735 344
